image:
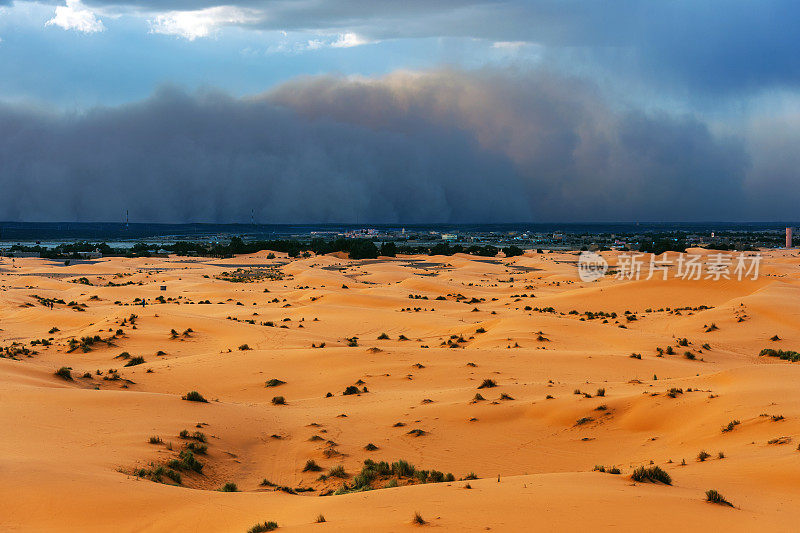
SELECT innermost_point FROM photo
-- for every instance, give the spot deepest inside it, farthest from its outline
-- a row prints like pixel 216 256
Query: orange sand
pixel 68 449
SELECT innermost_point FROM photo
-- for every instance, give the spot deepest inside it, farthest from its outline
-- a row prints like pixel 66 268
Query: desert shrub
pixel 262 528
pixel 312 466
pixel 673 392
pixel 584 420
pixel 138 360
pixel 689 355
pixel 64 373
pixel 651 474
pixel 418 520
pixel 505 396
pixel 370 447
pixel 278 400
pixel 703 455
pixel 194 396
pixel 274 383
pixel 244 347
pixel 487 384
pixel 197 448
pixel 713 496
pixel 229 487
pixel 402 468
pixel 786 355
pixel 383 336
pixel 173 475
pixel 320 519
pixel 337 471
pixel 186 461
pixel 155 440
pixel 730 425
pixel 600 392
pixel 352 389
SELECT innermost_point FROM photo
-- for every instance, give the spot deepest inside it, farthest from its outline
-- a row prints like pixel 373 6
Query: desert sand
pixel 75 451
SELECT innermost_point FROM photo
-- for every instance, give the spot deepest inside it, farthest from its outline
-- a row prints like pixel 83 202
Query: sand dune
pixel 75 453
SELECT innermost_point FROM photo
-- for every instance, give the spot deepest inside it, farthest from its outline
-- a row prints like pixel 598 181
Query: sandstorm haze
pixel 196 111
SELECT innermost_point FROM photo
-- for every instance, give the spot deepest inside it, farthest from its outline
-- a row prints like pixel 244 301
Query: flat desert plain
pixel 512 375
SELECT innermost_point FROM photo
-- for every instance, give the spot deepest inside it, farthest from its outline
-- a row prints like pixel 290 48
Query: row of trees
pixel 355 248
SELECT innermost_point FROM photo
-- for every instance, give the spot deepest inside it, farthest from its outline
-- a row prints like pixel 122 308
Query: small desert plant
pixel 311 466
pixel 352 389
pixel 278 400
pixel 229 487
pixel 729 427
pixel 194 396
pixel 138 360
pixel 337 471
pixel 487 384
pixel 64 373
pixel 584 420
pixel 418 520
pixel 320 519
pixel 370 447
pixel 383 336
pixel 155 440
pixel 652 474
pixel 713 496
pixel 244 347
pixel 703 455
pixel 262 528
pixel 601 392
pixel 174 476
pixel 274 383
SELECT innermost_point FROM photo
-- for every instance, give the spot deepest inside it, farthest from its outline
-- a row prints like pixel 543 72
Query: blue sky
pixel 121 58
pixel 571 109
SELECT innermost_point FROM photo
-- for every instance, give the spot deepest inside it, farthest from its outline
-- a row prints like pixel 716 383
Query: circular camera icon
pixel 591 266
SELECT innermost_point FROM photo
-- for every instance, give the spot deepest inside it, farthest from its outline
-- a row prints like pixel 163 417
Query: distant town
pixel 387 241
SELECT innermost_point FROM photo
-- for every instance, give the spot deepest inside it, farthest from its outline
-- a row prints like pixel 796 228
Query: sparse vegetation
pixel 64 373
pixel 651 474
pixel 712 496
pixel 263 528
pixel 194 396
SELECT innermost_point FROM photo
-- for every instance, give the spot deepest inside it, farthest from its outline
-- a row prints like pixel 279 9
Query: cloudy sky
pixel 400 111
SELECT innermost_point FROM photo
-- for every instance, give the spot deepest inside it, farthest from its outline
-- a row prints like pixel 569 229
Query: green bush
pixel 652 474
pixel 64 373
pixel 262 528
pixel 713 496
pixel 194 396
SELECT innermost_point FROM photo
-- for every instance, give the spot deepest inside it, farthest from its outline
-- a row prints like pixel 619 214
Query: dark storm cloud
pixel 715 46
pixel 410 147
